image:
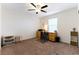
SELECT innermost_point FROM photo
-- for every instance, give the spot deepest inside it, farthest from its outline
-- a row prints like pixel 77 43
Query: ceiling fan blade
pixel 31 9
pixel 36 12
pixel 33 4
pixel 44 6
pixel 43 11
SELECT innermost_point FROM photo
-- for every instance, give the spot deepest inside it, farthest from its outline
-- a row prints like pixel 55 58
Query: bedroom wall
pixel 67 20
pixel 18 22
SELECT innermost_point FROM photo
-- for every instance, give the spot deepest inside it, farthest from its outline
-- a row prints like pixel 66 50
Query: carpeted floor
pixel 34 47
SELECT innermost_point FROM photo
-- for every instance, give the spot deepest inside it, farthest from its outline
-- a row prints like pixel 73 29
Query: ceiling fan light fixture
pixel 39 8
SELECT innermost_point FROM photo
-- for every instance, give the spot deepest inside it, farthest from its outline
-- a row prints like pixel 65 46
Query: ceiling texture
pixel 51 9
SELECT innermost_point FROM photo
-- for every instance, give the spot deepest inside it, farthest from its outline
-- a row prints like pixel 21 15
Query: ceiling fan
pixel 38 8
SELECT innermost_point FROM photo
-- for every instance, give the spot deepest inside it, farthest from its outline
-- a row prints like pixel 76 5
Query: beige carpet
pixel 34 47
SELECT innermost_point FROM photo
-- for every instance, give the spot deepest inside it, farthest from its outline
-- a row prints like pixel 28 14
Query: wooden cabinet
pixel 74 38
pixel 52 36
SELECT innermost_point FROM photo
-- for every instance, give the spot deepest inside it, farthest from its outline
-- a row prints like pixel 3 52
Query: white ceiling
pixel 51 9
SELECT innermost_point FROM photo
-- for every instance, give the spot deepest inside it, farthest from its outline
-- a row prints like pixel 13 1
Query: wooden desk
pixel 51 36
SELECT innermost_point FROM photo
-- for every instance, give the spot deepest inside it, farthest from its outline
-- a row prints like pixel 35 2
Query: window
pixel 52 24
